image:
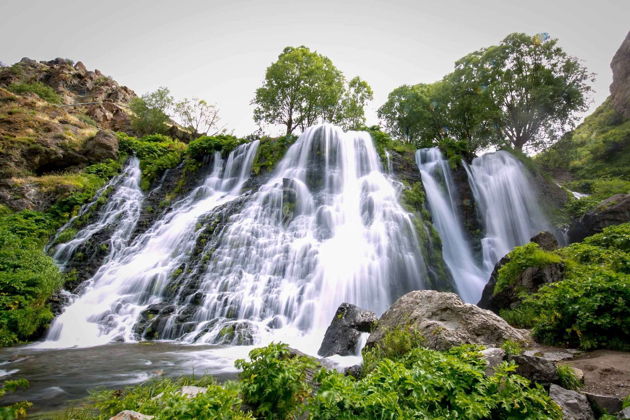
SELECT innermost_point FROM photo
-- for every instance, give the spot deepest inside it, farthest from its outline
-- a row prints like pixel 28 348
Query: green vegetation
pixel 405 381
pixel 208 145
pixel 521 258
pixel 568 380
pixel 512 348
pixel 43 91
pixel 17 410
pixel 303 87
pixel 270 151
pixel 522 93
pixel 156 154
pixel 590 308
pixel 150 112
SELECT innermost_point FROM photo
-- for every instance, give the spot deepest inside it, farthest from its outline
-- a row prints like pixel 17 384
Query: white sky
pixel 219 50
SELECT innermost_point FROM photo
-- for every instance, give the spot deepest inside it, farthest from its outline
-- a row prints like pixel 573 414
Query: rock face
pixel 612 211
pixel 444 321
pixel 529 281
pixel 104 145
pixel 344 332
pixel 573 404
pixel 620 87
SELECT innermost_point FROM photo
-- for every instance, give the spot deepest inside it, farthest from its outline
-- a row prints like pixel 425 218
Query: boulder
pixel 131 415
pixel 612 211
pixel 343 334
pixel 537 369
pixel 354 371
pixel 624 414
pixel 444 321
pixel 104 145
pixel 528 282
pixel 605 403
pixel 573 404
pixel 620 87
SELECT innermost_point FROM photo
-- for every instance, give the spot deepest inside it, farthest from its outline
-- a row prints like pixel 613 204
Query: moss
pixel 270 151
pixel 521 258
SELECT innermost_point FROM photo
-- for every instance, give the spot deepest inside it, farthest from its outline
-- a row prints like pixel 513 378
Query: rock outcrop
pixel 343 335
pixel 573 404
pixel 444 321
pixel 528 282
pixel 612 211
pixel 104 145
pixel 620 87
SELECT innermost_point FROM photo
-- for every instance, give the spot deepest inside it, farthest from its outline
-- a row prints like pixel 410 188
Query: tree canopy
pixel 303 87
pixel 524 93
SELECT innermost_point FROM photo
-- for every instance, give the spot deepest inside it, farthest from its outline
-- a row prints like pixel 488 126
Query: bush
pixel 590 308
pixel 274 381
pixel 207 145
pixel 270 152
pixel 43 91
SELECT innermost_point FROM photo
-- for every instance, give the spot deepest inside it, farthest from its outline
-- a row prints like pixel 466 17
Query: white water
pixel 120 214
pixel 325 229
pixel 442 198
pixel 112 300
pixel 507 202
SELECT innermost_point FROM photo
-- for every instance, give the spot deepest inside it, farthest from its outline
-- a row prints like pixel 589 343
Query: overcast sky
pixel 219 50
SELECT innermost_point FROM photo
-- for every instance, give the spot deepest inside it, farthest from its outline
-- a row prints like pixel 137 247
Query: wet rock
pixel 536 369
pixel 344 332
pixel 444 321
pixel 545 240
pixel 612 211
pixel 354 370
pixel 604 403
pixel 493 357
pixel 104 145
pixel 236 333
pixel 131 415
pixel 573 404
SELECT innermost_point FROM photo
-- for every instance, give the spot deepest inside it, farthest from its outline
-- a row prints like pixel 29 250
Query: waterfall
pixel 113 298
pixel 119 215
pixel 442 198
pixel 326 228
pixel 507 202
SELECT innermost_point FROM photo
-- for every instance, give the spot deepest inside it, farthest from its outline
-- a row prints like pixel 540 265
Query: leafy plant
pixel 205 146
pixel 567 377
pixel 16 410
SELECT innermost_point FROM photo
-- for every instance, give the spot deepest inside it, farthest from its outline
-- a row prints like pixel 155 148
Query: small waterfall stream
pixel 456 250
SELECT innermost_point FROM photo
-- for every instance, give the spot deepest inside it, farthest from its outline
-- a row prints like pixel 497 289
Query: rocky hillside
pixel 50 114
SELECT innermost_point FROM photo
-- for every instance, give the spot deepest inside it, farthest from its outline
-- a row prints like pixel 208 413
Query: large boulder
pixel 620 87
pixel 612 211
pixel 528 281
pixel 104 145
pixel 444 321
pixel 574 405
pixel 343 334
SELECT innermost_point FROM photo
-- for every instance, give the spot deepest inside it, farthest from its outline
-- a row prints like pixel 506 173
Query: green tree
pixel 352 109
pixel 303 87
pixel 151 112
pixel 535 89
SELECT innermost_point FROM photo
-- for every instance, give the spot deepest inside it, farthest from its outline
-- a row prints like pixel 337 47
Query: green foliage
pixel 521 258
pixel 394 344
pixel 455 151
pixel 16 410
pixel 156 154
pixel 598 190
pixel 430 384
pixel 150 112
pixel 270 151
pixel 568 380
pixel 597 148
pixel 43 91
pixel 590 308
pixel 207 145
pixel 303 87
pixel 197 115
pixel 274 381
pixel 512 348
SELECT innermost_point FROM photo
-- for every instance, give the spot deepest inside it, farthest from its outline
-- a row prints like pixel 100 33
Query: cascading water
pixel 119 215
pixel 507 202
pixel 113 298
pixel 325 229
pixel 456 248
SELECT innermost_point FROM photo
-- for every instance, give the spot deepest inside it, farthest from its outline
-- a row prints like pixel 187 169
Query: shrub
pixel 208 145
pixel 274 381
pixel 43 91
pixel 270 152
pixel 590 308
